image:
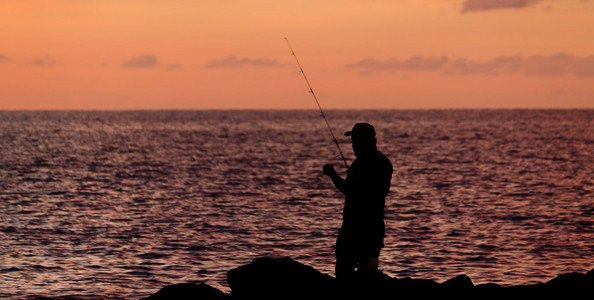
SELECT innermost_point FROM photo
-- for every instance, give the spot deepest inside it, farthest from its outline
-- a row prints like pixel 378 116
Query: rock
pixel 182 291
pixel 285 278
pixel 488 286
pixel 408 288
pixel 458 282
pixel 408 283
pixel 590 275
pixel 570 282
pixel 278 278
pixel 528 291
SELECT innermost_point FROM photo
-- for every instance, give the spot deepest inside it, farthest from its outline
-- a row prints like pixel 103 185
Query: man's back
pixel 366 187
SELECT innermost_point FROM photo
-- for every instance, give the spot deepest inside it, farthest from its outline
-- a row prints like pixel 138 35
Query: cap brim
pixel 348 133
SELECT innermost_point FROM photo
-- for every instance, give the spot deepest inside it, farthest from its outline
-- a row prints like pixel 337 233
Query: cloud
pixel 560 64
pixel 234 62
pixel 142 61
pixel 555 65
pixel 3 58
pixel 482 5
pixel 495 66
pixel 411 64
pixel 171 67
pixel 45 61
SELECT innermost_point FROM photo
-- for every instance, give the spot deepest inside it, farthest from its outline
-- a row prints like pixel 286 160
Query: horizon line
pixel 294 109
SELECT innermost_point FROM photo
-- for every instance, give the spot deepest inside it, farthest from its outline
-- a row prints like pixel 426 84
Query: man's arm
pixel 338 182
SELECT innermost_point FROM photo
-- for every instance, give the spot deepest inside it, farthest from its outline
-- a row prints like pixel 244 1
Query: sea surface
pixel 120 204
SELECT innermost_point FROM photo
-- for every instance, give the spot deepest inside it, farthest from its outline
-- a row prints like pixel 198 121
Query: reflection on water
pixel 123 203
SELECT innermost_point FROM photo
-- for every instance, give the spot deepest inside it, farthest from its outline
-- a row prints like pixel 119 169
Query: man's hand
pixel 328 170
pixel 338 182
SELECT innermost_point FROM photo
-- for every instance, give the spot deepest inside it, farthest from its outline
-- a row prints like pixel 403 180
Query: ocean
pixel 118 204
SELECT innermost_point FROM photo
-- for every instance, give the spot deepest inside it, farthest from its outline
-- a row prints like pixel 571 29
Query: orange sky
pixel 230 54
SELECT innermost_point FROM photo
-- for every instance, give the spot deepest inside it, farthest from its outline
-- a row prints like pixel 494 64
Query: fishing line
pixel 318 103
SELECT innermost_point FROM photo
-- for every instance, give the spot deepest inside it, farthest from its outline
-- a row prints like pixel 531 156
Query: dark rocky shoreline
pixel 285 278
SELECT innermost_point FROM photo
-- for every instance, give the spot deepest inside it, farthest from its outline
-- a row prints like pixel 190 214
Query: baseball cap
pixel 361 130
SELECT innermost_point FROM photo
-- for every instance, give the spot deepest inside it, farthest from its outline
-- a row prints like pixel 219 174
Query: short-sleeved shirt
pixel 366 186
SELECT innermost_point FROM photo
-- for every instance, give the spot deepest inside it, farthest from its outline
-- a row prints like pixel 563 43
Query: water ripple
pixel 119 204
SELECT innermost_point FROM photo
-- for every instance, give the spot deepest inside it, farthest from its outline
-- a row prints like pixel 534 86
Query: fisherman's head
pixel 363 138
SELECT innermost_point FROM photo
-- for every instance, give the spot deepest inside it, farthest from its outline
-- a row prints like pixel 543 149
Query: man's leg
pixel 345 259
pixel 371 265
pixel 368 262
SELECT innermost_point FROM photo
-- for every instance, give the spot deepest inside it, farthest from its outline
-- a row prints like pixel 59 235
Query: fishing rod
pixel 318 103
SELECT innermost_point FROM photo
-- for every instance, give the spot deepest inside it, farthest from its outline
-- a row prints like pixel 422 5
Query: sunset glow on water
pixel 120 204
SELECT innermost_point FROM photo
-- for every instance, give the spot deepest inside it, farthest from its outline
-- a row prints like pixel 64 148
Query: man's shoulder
pixel 383 158
pixel 372 160
pixel 384 161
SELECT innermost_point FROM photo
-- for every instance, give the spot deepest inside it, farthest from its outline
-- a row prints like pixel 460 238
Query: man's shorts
pixel 359 246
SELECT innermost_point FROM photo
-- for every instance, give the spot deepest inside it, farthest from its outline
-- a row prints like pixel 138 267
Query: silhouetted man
pixel 366 186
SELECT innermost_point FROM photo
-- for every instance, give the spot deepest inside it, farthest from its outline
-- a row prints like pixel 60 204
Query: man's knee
pixel 370 264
